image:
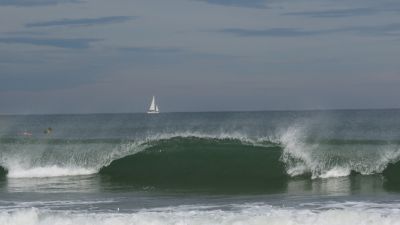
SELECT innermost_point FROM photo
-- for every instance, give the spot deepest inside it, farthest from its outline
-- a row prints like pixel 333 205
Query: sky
pixel 101 56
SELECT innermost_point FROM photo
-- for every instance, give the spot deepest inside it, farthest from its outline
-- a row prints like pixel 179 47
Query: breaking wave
pixel 198 159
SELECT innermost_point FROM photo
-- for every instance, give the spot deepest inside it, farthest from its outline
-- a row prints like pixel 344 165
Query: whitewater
pixel 353 213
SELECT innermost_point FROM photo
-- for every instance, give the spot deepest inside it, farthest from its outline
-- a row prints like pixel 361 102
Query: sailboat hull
pixel 152 112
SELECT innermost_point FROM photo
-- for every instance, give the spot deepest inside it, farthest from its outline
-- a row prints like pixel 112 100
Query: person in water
pixel 48 130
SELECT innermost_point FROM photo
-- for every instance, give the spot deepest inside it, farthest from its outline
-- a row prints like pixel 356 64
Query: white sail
pixel 153 106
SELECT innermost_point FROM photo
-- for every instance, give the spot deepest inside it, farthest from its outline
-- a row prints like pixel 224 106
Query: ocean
pixel 274 167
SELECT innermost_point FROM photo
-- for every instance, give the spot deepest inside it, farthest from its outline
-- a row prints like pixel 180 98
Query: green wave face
pixel 201 163
pixel 392 176
pixel 3 173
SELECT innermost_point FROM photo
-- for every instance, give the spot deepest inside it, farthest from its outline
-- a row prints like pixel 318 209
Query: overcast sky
pixel 83 56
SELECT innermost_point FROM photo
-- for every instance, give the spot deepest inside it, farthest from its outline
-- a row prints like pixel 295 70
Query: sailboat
pixel 153 109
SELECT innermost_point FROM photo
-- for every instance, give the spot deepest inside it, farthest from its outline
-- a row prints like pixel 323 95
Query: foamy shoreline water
pixel 341 213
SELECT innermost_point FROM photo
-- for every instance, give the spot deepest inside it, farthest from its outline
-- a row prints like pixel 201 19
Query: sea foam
pixel 325 160
pixel 249 215
pixel 50 171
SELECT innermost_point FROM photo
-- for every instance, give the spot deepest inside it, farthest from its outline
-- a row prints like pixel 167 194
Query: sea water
pixel 280 167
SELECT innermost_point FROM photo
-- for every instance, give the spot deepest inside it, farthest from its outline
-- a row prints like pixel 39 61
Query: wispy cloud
pixel 28 3
pixel 272 32
pixel 25 33
pixel 71 43
pixel 82 21
pixel 365 10
pixel 336 13
pixel 150 50
pixel 238 3
pixel 376 30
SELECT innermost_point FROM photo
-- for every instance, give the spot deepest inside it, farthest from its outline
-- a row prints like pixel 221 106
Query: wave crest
pixel 291 153
pixel 326 159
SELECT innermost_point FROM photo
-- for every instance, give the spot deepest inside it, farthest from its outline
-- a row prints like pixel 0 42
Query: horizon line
pixel 211 111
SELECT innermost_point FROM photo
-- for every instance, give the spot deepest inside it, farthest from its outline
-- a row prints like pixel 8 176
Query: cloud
pixel 82 21
pixel 365 10
pixel 71 43
pixel 336 13
pixel 28 3
pixel 238 3
pixel 150 50
pixel 377 30
pixel 272 32
pixel 26 32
